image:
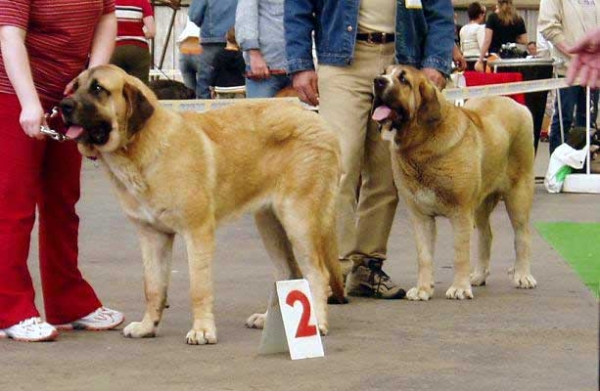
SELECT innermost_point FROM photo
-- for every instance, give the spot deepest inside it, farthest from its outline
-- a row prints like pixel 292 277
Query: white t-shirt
pixel 471 39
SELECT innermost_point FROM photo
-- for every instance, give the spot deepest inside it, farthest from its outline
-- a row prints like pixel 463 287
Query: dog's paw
pixel 256 321
pixel 419 294
pixel 478 278
pixel 524 281
pixel 323 329
pixel 459 293
pixel 139 330
pixel 201 337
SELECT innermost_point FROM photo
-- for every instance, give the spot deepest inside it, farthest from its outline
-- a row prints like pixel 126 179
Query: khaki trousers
pixel 345 100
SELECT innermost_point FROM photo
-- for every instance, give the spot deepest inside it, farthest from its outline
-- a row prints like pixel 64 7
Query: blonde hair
pixel 507 13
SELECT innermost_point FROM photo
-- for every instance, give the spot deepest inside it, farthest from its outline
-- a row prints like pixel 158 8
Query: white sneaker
pixel 31 330
pixel 101 319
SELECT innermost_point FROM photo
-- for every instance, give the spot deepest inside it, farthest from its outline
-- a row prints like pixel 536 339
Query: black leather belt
pixel 375 37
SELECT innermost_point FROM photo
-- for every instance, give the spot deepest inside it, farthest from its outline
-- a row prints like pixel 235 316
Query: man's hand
pixel 436 77
pixel 258 65
pixel 305 84
pixel 585 62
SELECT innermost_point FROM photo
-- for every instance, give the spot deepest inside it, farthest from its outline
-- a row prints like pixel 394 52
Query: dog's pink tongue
pixel 381 113
pixel 74 131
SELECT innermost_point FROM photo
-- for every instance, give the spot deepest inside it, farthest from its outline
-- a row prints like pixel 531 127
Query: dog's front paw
pixel 201 336
pixel 524 281
pixel 256 321
pixel 139 330
pixel 459 293
pixel 419 294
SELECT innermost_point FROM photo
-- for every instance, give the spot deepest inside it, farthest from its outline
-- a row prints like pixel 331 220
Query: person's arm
pixel 197 11
pixel 522 39
pixel 481 37
pixel 483 50
pixel 459 59
pixel 149 27
pixel 550 24
pixel 18 69
pixel 246 32
pixel 103 43
pixel 439 42
pixel 299 22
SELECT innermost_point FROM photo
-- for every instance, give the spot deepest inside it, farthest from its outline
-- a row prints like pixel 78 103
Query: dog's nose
pixel 67 106
pixel 380 83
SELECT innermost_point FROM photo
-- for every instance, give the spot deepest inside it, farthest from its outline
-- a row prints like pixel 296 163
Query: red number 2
pixel 304 329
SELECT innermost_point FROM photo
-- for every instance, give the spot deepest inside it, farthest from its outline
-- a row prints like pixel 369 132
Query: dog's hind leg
pixel 518 202
pixel 484 242
pixel 200 244
pixel 157 249
pixel 314 238
pixel 425 233
pixel 280 251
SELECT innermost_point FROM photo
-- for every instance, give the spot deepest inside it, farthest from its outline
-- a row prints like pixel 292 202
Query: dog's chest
pixel 426 200
pixel 132 191
pixel 142 212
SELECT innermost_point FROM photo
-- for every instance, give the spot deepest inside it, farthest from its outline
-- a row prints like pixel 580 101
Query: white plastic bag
pixel 563 159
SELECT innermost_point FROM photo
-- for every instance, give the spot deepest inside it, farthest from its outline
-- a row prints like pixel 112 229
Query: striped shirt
pixel 130 18
pixel 58 41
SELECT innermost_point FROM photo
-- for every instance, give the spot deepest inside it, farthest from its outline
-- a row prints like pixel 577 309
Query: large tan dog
pixel 458 163
pixel 183 173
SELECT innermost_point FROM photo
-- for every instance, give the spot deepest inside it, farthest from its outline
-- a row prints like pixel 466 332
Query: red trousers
pixel 46 174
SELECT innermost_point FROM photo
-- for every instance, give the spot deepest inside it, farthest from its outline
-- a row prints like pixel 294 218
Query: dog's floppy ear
pixel 139 109
pixel 430 108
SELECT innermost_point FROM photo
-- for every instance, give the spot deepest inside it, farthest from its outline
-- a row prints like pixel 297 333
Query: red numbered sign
pixel 304 328
pixel 299 321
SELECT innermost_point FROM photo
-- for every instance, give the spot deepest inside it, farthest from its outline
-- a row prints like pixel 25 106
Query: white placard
pixel 292 312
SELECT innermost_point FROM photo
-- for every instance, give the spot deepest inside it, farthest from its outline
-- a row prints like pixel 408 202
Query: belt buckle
pixel 370 38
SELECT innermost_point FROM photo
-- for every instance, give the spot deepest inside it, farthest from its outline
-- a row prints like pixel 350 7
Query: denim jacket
pixel 214 17
pixel 424 36
pixel 259 25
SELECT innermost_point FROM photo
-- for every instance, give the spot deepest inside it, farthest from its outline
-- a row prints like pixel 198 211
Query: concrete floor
pixel 505 339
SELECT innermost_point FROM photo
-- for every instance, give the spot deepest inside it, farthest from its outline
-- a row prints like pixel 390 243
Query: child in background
pixel 229 67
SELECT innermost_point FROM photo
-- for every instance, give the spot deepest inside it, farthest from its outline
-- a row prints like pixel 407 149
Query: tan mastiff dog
pixel 458 163
pixel 183 173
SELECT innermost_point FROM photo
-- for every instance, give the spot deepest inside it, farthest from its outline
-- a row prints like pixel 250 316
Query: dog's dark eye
pixel 97 89
pixel 402 78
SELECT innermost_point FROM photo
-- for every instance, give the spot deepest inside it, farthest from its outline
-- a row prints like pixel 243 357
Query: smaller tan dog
pixel 458 163
pixel 183 173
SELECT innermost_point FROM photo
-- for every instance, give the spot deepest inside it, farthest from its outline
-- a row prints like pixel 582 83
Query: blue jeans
pixel 189 65
pixel 266 88
pixel 572 101
pixel 205 74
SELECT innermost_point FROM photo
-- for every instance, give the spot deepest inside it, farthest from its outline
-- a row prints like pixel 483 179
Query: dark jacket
pixel 424 36
pixel 229 69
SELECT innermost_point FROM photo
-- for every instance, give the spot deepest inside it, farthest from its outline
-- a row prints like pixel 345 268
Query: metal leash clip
pixel 53 134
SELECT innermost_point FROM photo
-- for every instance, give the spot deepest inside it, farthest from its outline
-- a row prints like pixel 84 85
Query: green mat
pixel 579 245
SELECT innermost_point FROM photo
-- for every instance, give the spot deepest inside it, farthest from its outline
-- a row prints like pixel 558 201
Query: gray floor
pixel 505 339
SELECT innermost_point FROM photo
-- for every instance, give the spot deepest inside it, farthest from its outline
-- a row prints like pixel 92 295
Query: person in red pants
pixel 44 45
